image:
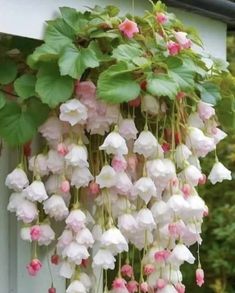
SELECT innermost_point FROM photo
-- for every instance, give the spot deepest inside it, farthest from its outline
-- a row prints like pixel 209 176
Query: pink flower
pixel 62 149
pixel 161 283
pixel 65 186
pixel 200 277
pixel 127 270
pixel 180 95
pixel 161 18
pixel 202 180
pixel 119 283
pixel 85 90
pixel 119 163
pixel 94 188
pixel 35 232
pixel 132 286
pixel 186 189
pixel 128 28
pixel 127 129
pixel 205 110
pixel 52 290
pixel 181 38
pixel 149 269
pixel 176 229
pixel 144 287
pixel 34 267
pixel 162 255
pixel 173 48
pixel 76 220
pixel 180 288
pixel 55 259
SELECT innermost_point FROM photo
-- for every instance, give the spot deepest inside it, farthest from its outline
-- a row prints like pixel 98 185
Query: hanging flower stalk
pixel 133 116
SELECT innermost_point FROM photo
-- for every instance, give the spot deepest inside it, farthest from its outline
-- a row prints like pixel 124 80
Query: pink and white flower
pixel 76 220
pixel 55 207
pixel 182 39
pixel 77 156
pixel 205 110
pixel 17 180
pixel 73 112
pixel 127 129
pixel 114 144
pixel 36 191
pixel 128 28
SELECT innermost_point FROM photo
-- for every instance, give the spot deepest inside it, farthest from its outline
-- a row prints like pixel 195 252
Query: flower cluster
pixel 122 182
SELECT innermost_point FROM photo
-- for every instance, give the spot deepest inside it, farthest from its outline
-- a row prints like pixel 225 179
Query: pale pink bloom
pixel 35 232
pixel 25 234
pixel 76 220
pixel 84 237
pixel 182 153
pixel 65 239
pixel 194 120
pixel 34 267
pixel 128 28
pixel 67 269
pixel 205 110
pixel 218 135
pixel 127 129
pixel 200 277
pixel 65 186
pixel 52 129
pixel 161 283
pixel 15 201
pixel 113 240
pixel 104 259
pixel 150 105
pixel 114 144
pixel 161 18
pixel 176 229
pixel 167 289
pixel 144 287
pixel 145 219
pixel 55 207
pixel 203 180
pixel 132 286
pixel 180 288
pixel 94 188
pixel 182 39
pixel 219 173
pixel 149 269
pixel 55 162
pixel 192 175
pixel 119 163
pixel 77 156
pixel 180 254
pixel 173 48
pixel 127 223
pixel 47 235
pixel 81 177
pixel 186 189
pixel 75 252
pixel 36 191
pixel 146 144
pixel 161 212
pixel 27 211
pixel 73 112
pixel 127 270
pixel 107 177
pixel 144 188
pixel 17 180
pixel 76 287
pixel 119 286
pixel 38 164
pixel 161 256
pixel 177 204
pixel 62 149
pixel 85 90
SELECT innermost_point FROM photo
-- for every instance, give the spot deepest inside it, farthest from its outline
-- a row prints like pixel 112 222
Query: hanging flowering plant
pixel 126 107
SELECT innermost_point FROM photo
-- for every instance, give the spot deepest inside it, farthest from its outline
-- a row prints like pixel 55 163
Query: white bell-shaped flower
pixel 73 112
pixel 104 259
pixel 113 240
pixel 219 173
pixel 17 180
pixel 55 207
pixel 146 144
pixel 36 191
pixel 77 156
pixel 114 144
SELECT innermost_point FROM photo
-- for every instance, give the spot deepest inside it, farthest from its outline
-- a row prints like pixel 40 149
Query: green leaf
pixel 184 76
pixel 42 53
pixel 126 52
pixel 162 85
pixel 74 19
pixel 173 62
pixel 59 34
pixel 101 34
pixel 116 84
pixel 19 124
pixel 52 87
pixel 112 10
pixel 8 71
pixel 210 93
pixel 25 86
pixel 2 100
pixel 74 61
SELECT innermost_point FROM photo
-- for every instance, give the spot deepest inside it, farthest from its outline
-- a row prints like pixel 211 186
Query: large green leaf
pixel 42 53
pixel 8 71
pixel 162 85
pixel 25 86
pixel 184 76
pixel 210 93
pixel 74 61
pixel 116 84
pixel 2 100
pixel 19 124
pixel 52 87
pixel 74 19
pixel 126 52
pixel 59 34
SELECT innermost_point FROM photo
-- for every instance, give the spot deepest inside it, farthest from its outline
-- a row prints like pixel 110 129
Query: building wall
pixel 27 18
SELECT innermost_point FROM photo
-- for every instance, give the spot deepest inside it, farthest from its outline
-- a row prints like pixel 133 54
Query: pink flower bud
pixel 144 287
pixel 52 290
pixel 161 283
pixel 149 269
pixel 62 149
pixel 119 163
pixel 94 188
pixel 135 103
pixel 200 277
pixel 55 259
pixel 161 256
pixel 166 147
pixel 161 18
pixel 85 263
pixel 35 232
pixel 180 288
pixel 186 189
pixel 128 28
pixel 180 95
pixel 206 211
pixel 34 267
pixel 202 180
pixel 65 186
pixel 119 283
pixel 132 286
pixel 127 271
pixel 173 48
pixel 175 229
